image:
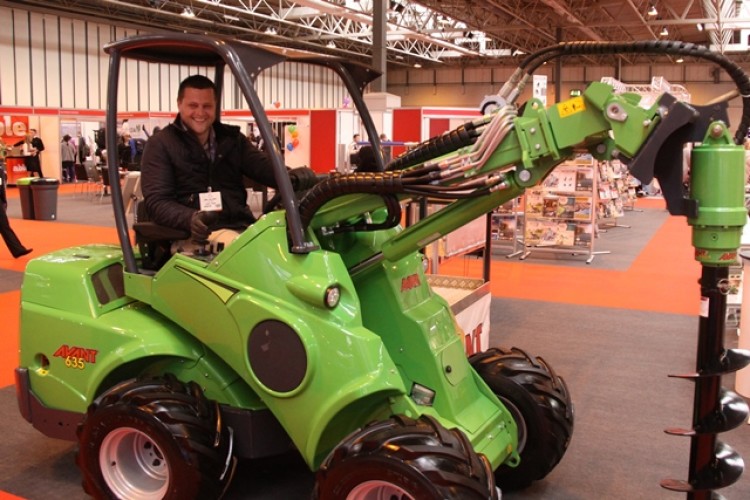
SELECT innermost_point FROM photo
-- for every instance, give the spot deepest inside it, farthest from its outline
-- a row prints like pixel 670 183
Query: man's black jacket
pixel 175 168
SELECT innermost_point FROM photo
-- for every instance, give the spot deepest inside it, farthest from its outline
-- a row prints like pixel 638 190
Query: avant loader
pixel 315 329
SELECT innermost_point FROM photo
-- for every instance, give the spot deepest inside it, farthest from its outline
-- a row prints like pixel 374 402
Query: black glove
pixel 200 226
pixel 302 178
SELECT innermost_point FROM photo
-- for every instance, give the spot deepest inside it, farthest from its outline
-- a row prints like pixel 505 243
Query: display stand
pixel 505 230
pixel 15 167
pixel 560 215
pixel 613 194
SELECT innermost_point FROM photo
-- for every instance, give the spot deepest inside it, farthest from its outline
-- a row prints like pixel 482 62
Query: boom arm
pixel 510 153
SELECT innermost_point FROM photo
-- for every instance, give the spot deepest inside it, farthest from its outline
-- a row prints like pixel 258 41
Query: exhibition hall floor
pixel 614 329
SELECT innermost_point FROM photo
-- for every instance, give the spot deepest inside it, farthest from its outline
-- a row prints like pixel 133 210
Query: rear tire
pixel 540 404
pixel 405 459
pixel 152 439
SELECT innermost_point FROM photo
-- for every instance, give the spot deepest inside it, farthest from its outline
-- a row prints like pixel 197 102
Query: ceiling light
pixel 187 12
pixel 699 26
pixel 270 31
pixel 664 31
pixel 652 11
pixel 230 17
pixel 331 45
pixel 417 65
pixel 680 60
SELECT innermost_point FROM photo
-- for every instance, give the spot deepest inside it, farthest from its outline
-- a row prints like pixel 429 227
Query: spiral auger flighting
pixel 713 464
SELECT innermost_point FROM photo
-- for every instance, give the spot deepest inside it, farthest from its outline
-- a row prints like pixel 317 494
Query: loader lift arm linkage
pixel 485 163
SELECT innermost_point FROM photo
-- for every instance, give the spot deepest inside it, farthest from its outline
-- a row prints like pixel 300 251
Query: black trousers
pixel 33 165
pixel 68 171
pixel 11 240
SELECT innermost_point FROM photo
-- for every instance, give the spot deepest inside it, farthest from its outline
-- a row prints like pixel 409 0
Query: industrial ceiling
pixel 431 32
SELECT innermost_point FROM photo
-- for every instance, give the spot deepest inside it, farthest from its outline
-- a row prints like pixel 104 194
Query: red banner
pixel 13 128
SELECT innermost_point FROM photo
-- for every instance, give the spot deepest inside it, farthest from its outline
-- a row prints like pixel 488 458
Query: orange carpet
pixel 663 277
pixel 8 496
pixel 9 337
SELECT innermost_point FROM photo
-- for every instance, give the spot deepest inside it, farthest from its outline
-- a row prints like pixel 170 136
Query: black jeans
pixel 11 240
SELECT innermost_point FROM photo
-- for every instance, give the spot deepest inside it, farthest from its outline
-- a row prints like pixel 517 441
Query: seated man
pixel 192 170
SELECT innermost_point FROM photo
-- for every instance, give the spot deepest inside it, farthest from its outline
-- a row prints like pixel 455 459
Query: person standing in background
pixel 387 151
pixel 83 149
pixel 9 236
pixel 353 152
pixel 34 146
pixel 68 155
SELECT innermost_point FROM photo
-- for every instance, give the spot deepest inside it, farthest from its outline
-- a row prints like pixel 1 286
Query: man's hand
pixel 302 178
pixel 200 226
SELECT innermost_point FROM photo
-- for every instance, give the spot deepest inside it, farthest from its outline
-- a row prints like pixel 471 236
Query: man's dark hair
pixel 199 82
pixel 367 160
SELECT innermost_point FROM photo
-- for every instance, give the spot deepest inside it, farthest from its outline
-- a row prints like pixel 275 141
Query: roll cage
pixel 246 61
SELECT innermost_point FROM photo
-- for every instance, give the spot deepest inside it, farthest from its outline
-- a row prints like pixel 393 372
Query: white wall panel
pixel 91 71
pixel 478 75
pixel 700 73
pixel 174 82
pixel 103 34
pixel 448 75
pixel 7 58
pixel 634 74
pixel 573 74
pixel 165 98
pixel 144 85
pixel 65 76
pixel 52 62
pixel 22 57
pixel 154 83
pixel 38 60
pixel 80 83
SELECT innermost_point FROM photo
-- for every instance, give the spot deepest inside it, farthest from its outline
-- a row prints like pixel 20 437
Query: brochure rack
pixel 560 215
pixel 615 193
pixel 506 228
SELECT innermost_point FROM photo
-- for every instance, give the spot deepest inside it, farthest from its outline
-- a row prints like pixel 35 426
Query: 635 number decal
pixel 76 357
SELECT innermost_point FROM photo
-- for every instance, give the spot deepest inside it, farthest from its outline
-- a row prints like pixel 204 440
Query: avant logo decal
pixel 79 353
pixel 409 282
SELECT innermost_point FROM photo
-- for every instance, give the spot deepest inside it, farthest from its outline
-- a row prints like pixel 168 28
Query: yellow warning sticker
pixel 571 107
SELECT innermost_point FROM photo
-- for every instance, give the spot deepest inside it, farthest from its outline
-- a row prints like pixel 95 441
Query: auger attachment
pixel 717 192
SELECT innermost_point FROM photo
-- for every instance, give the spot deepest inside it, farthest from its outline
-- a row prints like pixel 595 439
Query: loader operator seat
pixel 154 241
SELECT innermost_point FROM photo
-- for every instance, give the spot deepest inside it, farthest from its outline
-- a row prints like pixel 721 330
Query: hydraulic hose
pixel 464 135
pixel 379 183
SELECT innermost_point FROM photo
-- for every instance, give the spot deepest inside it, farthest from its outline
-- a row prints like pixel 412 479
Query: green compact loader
pixel 315 329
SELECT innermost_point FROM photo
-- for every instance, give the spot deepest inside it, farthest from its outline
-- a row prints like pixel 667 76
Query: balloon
pixel 290 146
pixel 347 101
pixel 277 104
pixel 294 134
pixel 292 128
pixel 295 142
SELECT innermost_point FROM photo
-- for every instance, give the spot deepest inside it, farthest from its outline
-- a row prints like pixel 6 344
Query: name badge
pixel 210 201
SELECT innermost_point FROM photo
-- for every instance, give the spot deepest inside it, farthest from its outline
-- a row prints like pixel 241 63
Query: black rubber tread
pixel 544 402
pixel 421 456
pixel 178 417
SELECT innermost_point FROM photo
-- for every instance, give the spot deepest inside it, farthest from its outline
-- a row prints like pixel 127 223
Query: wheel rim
pixel 519 420
pixel 378 490
pixel 133 466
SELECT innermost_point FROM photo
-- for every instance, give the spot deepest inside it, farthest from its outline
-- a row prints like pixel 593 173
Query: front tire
pixel 405 459
pixel 540 404
pixel 152 439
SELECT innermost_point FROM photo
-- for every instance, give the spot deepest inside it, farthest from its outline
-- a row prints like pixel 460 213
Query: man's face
pixel 198 111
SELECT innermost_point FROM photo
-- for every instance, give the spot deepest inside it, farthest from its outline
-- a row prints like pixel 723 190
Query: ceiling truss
pixel 432 32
